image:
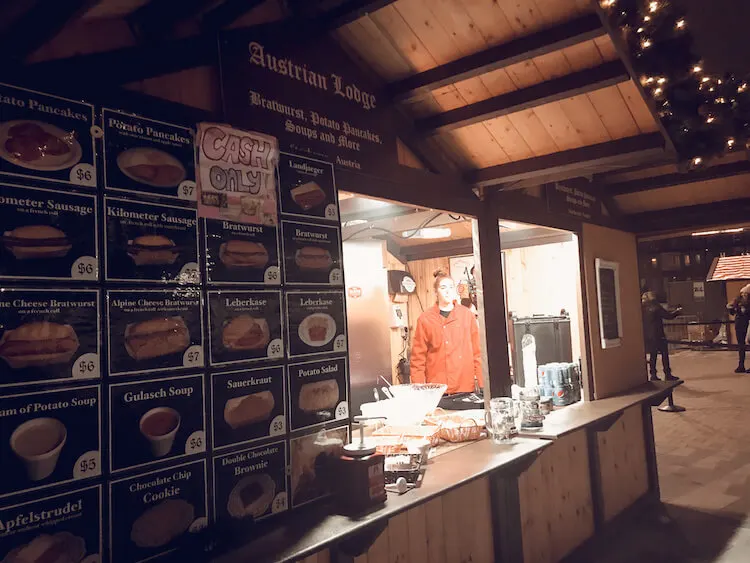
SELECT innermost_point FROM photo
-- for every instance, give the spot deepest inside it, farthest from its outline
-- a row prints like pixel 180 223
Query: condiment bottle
pixel 360 483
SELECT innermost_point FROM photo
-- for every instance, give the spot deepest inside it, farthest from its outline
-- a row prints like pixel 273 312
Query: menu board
pixel 154 513
pixel 240 253
pixel 247 405
pixel 48 438
pixel 49 335
pixel 316 323
pixel 317 392
pixel 148 242
pixel 65 527
pixel 48 235
pixel 312 254
pixel 147 156
pixel 46 137
pixel 307 188
pixel 310 462
pixel 156 420
pixel 244 326
pixel 154 330
pixel 250 485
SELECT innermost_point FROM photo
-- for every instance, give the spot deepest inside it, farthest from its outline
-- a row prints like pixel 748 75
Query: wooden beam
pixel 668 180
pixel 727 212
pixel 349 11
pixel 227 13
pixel 38 25
pixel 522 49
pixel 439 249
pixel 156 19
pixel 621 47
pixel 578 161
pixel 567 86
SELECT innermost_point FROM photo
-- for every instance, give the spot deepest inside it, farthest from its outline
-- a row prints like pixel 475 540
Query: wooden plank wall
pixel 622 462
pixel 453 528
pixel 555 501
pixel 320 557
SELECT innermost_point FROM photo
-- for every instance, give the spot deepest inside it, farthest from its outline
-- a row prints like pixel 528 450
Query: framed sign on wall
pixel 608 295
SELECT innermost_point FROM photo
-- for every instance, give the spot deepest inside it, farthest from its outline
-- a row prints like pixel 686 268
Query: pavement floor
pixel 704 471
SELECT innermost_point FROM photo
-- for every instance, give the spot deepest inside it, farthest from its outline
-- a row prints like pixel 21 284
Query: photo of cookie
pixel 37 145
pixel 313 258
pixel 248 409
pixel 151 250
pixel 243 254
pixel 308 195
pixel 33 242
pixel 162 523
pixel 152 167
pixel 38 344
pixel 245 333
pixel 156 337
pixel 251 496
pixel 318 396
pixel 62 547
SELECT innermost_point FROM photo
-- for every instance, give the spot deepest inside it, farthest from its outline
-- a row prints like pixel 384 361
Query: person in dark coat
pixel 740 308
pixel 653 334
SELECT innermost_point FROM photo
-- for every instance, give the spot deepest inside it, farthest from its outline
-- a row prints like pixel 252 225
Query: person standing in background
pixel 740 308
pixel 446 342
pixel 653 334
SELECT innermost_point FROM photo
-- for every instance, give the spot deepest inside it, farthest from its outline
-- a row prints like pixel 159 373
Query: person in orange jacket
pixel 446 342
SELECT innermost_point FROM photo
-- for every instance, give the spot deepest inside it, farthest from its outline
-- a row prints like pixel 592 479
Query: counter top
pixel 310 531
pixel 569 419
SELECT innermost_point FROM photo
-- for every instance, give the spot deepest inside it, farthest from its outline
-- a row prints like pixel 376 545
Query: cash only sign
pixel 236 175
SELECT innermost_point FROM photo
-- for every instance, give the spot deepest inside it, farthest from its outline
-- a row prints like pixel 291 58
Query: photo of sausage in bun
pixel 245 333
pixel 313 258
pixel 32 242
pixel 243 254
pixel 38 344
pixel 152 250
pixel 156 337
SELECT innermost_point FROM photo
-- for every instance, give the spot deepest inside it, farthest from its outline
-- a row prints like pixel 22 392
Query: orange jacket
pixel 446 350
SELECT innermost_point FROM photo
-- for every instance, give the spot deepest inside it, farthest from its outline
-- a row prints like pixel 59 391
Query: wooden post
pixel 493 326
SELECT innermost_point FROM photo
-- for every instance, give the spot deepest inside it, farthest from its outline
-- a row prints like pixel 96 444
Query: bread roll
pixel 243 254
pixel 248 409
pixel 245 333
pixel 36 241
pixel 156 337
pixel 320 395
pixel 38 344
pixel 162 523
pixel 149 250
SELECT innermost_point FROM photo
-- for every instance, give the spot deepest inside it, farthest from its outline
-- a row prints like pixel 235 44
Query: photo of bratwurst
pixel 38 344
pixel 245 333
pixel 243 254
pixel 36 241
pixel 156 337
pixel 313 258
pixel 152 250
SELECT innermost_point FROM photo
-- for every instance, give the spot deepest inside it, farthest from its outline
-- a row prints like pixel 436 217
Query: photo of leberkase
pixel 316 323
pixel 154 513
pixel 46 137
pixel 148 156
pixel 49 437
pixel 307 188
pixel 148 242
pixel 240 253
pixel 154 330
pixel 312 254
pixel 75 537
pixel 48 234
pixel 49 335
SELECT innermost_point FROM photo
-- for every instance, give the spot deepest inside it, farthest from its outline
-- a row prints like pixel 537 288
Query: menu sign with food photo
pixel 307 187
pixel 49 335
pixel 245 326
pixel 156 420
pixel 247 405
pixel 316 323
pixel 48 235
pixel 48 438
pixel 249 485
pixel 311 461
pixel 236 175
pixel 45 136
pixel 154 330
pixel 317 392
pixel 238 253
pixel 65 528
pixel 148 156
pixel 312 254
pixel 148 242
pixel 155 513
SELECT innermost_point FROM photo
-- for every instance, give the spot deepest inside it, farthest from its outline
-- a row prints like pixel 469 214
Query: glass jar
pixel 501 423
pixel 531 415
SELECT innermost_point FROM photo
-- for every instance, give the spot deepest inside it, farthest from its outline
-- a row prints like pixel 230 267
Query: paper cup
pixel 159 426
pixel 38 442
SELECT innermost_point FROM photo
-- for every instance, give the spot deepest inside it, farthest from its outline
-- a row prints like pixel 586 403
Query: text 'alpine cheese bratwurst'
pixel 38 344
pixel 156 337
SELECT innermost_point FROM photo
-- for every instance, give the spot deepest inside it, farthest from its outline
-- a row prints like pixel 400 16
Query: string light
pixel 705 79
pixel 730 142
pixel 710 119
pixel 662 80
pixel 680 24
pixel 658 92
pixel 653 6
pixel 647 18
pixel 697 69
pixel 646 43
pixel 742 87
pixel 697 161
pixel 608 3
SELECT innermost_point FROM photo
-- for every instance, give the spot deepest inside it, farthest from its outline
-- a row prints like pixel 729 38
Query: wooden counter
pixel 311 531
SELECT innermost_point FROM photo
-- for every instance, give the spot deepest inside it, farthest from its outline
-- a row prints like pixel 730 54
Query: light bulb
pixel 658 92
pixel 730 143
pixel 697 161
pixel 653 6
pixel 662 80
pixel 680 24
pixel 710 119
pixel 705 79
pixel 697 68
pixel 647 18
pixel 646 43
